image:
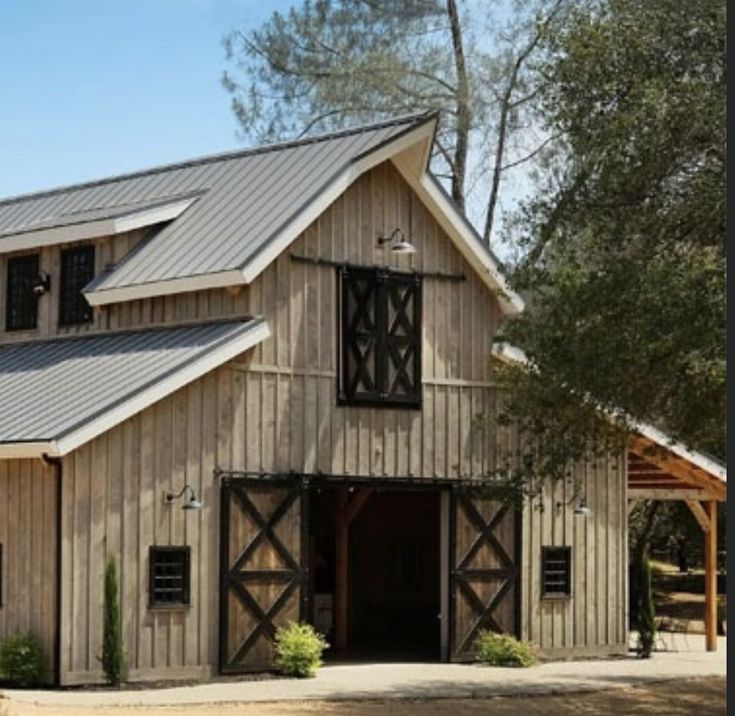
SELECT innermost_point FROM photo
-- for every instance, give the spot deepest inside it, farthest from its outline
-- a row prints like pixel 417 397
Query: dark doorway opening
pixel 394 598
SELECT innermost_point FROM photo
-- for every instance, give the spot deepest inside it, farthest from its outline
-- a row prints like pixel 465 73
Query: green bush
pixel 495 649
pixel 112 646
pixel 298 649
pixel 21 660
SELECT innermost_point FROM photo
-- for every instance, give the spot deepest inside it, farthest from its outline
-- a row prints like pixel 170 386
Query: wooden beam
pixel 349 506
pixel 356 503
pixel 699 514
pixel 659 456
pixel 710 578
pixel 651 493
pixel 342 573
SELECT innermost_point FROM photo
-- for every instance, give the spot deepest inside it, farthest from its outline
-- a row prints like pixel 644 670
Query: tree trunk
pixel 463 106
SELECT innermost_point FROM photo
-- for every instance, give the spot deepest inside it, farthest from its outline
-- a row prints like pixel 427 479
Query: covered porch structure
pixel 661 469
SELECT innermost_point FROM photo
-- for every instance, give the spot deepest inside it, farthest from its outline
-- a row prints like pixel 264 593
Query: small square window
pixel 21 302
pixel 169 576
pixel 77 270
pixel 556 571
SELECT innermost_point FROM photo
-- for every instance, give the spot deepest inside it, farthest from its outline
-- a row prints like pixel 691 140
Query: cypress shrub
pixel 646 610
pixel 112 646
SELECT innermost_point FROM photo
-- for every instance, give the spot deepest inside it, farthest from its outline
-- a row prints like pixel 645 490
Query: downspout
pixel 55 462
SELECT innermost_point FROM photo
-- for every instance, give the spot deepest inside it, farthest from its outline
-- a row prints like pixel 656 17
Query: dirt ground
pixel 705 697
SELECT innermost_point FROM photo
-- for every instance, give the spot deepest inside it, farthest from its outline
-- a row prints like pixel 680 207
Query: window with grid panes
pixel 77 270
pixel 169 576
pixel 380 342
pixel 556 571
pixel 21 303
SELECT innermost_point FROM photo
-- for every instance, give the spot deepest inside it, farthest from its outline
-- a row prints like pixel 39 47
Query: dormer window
pixel 21 301
pixel 77 270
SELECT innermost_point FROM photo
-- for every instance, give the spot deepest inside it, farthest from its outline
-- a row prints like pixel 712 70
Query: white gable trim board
pixel 63 444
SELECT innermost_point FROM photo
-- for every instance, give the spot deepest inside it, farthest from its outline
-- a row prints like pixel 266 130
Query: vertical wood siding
pixel 274 409
pixel 594 620
pixel 28 536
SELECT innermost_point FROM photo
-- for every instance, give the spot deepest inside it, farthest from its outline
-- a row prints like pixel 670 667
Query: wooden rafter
pixel 675 472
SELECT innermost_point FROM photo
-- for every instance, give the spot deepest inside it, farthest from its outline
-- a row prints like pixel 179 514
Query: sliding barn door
pixel 262 563
pixel 484 571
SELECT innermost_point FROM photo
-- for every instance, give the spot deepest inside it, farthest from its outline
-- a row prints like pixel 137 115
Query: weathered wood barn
pixel 293 343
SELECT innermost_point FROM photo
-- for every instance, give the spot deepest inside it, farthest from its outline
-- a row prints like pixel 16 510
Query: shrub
pixel 646 610
pixel 22 660
pixel 495 649
pixel 112 646
pixel 298 649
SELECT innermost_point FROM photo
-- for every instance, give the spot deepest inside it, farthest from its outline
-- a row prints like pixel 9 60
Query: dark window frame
pixel 157 603
pixel 75 272
pixel 1 574
pixel 556 554
pixel 21 273
pixel 381 286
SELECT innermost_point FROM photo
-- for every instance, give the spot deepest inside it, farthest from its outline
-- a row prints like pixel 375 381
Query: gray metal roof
pixel 246 197
pixel 49 389
pixel 88 215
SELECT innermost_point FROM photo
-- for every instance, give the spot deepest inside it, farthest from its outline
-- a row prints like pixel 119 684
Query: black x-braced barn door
pixel 484 575
pixel 263 573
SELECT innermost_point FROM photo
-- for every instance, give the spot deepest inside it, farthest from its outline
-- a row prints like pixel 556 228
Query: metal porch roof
pixel 57 394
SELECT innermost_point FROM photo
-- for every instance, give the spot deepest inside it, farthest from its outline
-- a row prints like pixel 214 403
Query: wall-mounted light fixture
pixel 581 508
pixel 400 244
pixel 42 284
pixel 189 504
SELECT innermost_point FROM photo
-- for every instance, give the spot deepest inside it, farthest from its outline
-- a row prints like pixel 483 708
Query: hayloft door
pixel 262 567
pixel 484 569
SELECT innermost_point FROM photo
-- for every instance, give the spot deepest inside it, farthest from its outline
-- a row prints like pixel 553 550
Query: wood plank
pixel 710 577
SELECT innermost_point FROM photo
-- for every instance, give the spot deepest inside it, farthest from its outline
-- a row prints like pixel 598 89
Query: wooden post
pixel 347 509
pixel 710 578
pixel 341 573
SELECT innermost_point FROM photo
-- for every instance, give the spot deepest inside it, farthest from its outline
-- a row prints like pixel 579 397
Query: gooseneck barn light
pixel 189 504
pixel 400 244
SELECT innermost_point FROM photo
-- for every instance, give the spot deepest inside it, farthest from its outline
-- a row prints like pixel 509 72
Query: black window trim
pixel 32 297
pixel 382 276
pixel 566 551
pixel 77 308
pixel 186 589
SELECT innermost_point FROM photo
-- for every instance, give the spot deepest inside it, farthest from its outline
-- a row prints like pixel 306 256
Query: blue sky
pixel 90 88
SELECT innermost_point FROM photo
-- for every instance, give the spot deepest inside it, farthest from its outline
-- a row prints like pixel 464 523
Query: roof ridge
pixel 222 156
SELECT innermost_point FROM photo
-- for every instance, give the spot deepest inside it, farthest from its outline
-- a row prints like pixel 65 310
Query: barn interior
pixel 375 572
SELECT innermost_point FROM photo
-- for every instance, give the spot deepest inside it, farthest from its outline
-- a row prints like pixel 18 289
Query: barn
pixel 258 380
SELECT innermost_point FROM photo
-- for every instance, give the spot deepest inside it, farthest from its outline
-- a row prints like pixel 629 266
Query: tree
pixel 112 646
pixel 624 238
pixel 330 63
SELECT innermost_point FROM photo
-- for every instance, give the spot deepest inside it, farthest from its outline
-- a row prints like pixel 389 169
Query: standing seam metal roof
pixel 50 388
pixel 247 196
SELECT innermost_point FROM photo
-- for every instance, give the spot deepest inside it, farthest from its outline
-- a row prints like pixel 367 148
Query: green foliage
pixel 112 644
pixel 624 239
pixel 22 660
pixel 495 649
pixel 298 649
pixel 646 610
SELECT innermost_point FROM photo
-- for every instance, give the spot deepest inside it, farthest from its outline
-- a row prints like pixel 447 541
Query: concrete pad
pixel 351 682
